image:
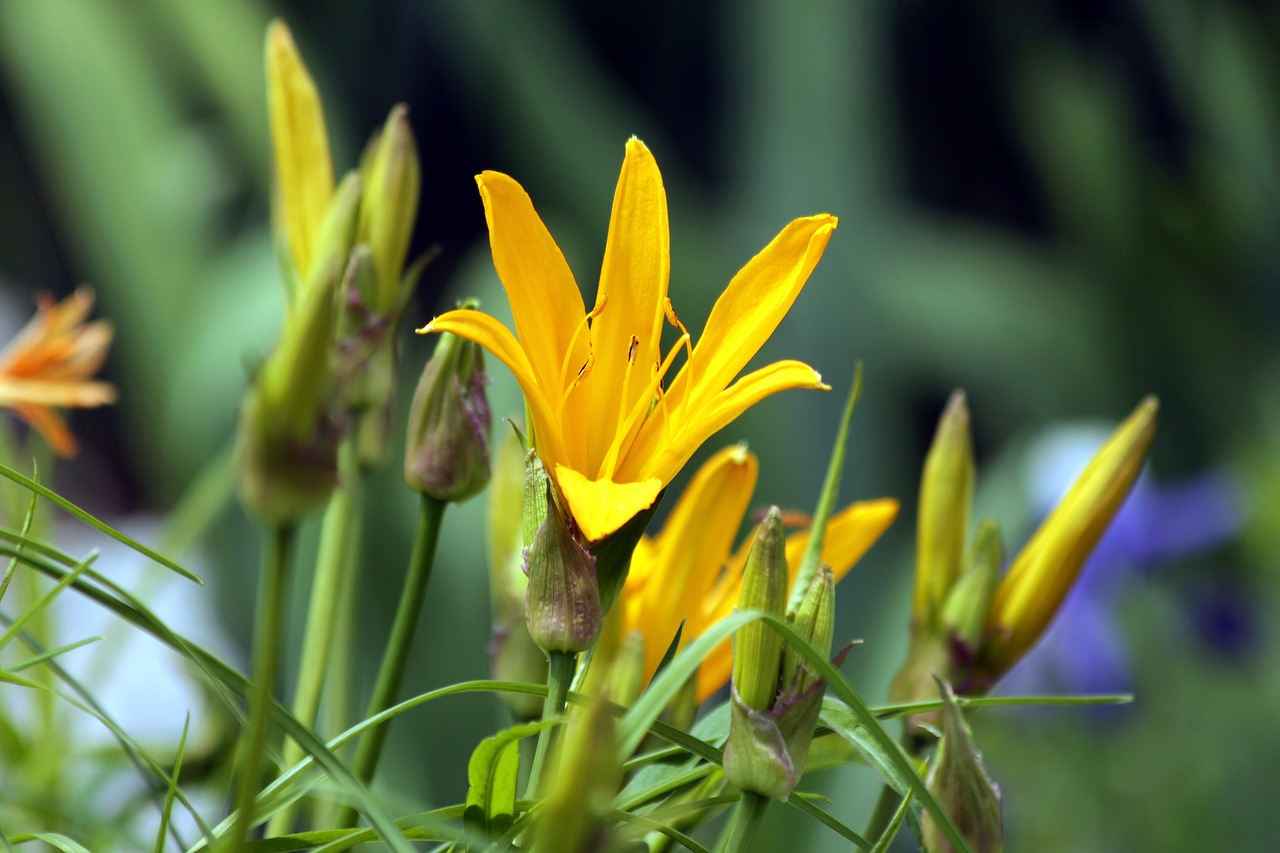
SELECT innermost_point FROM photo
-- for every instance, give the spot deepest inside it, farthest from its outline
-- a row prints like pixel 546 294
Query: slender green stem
pixel 400 643
pixel 889 801
pixel 882 815
pixel 266 652
pixel 334 561
pixel 740 831
pixel 560 668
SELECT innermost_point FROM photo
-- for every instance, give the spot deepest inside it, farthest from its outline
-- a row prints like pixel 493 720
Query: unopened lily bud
pixel 392 180
pixel 447 445
pixel 287 439
pixel 562 604
pixel 960 784
pixel 300 144
pixel 1044 571
pixel 946 490
pixel 965 610
pixel 587 777
pixel 513 655
pixel 757 647
pixel 816 622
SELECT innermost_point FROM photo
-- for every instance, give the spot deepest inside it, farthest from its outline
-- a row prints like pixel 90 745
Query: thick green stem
pixel 334 562
pixel 741 829
pixel 560 669
pixel 390 674
pixel 266 652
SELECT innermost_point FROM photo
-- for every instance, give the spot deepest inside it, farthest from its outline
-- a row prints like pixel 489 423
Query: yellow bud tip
pixel 428 329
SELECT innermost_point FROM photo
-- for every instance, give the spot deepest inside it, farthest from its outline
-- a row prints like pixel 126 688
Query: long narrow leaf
pixel 100 526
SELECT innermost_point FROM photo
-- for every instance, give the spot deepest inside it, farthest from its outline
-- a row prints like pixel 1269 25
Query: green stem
pixel 741 829
pixel 334 562
pixel 560 669
pixel 882 815
pixel 266 652
pixel 400 643
pixel 889 801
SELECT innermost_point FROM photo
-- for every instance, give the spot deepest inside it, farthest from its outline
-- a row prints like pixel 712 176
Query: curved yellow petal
pixel 489 333
pixel 633 287
pixel 669 439
pixel 602 506
pixel 683 561
pixel 752 306
pixel 304 166
pixel 545 300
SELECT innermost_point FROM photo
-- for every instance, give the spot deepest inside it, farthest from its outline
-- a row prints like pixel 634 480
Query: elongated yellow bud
pixel 1042 574
pixel 946 490
pixel 304 166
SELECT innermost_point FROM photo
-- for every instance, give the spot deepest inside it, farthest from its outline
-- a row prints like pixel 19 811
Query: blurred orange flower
pixel 50 364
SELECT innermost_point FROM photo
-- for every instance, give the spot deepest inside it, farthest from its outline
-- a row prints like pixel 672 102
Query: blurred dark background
pixel 1060 207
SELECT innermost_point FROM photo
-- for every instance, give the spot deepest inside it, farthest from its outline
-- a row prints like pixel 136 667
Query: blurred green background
pixel 1059 207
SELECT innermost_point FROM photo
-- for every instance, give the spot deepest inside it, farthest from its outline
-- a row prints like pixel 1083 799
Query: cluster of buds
pixel 342 247
pixel 969 624
pixel 775 695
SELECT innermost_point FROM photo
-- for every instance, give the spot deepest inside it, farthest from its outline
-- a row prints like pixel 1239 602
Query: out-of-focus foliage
pixel 1059 207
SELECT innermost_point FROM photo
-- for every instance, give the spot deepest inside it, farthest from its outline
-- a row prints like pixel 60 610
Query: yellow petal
pixel 602 506
pixel 304 166
pixel 68 392
pixel 752 306
pixel 633 287
pixel 545 300
pixel 668 583
pixel 484 330
pixel 669 438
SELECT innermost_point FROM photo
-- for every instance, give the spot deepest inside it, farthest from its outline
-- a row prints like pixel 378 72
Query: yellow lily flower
pixel 304 166
pixel 49 364
pixel 610 428
pixel 1042 574
pixel 689 570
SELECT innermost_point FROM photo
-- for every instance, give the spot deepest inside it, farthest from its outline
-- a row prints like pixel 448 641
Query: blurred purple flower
pixel 1084 650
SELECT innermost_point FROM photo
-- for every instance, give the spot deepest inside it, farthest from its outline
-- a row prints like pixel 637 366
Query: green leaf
pixel 826 501
pixel 635 723
pixel 801 803
pixel 493 774
pixel 100 526
pixel 53 839
pixel 895 823
pixel 167 810
pixel 53 653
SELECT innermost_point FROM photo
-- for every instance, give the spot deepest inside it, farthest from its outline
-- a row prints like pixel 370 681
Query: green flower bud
pixel 962 787
pixel 946 490
pixel 287 439
pixel 757 647
pixel 392 181
pixel 562 604
pixel 965 610
pixel 816 622
pixel 447 445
